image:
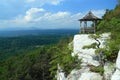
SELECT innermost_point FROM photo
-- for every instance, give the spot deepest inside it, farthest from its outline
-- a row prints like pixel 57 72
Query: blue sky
pixel 48 14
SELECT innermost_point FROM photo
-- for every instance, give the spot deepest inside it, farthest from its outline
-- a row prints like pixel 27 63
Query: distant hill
pixel 38 32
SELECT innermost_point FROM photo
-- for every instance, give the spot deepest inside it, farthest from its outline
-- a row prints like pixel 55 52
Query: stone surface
pixel 116 75
pixel 84 75
pixel 103 39
pixel 85 54
pixel 90 76
pixel 60 74
pixel 88 58
pixel 80 41
pixel 118 61
pixel 108 70
pixel 75 74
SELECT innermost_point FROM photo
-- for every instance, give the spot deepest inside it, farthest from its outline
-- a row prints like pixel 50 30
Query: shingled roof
pixel 89 17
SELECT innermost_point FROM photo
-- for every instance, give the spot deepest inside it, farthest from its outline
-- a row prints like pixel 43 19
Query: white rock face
pixel 108 70
pixel 116 75
pixel 86 55
pixel 75 74
pixel 80 41
pixel 81 75
pixel 118 61
pixel 103 39
pixel 90 76
pixel 60 74
pixel 87 75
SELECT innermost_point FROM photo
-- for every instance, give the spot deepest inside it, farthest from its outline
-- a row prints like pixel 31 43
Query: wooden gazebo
pixel 89 17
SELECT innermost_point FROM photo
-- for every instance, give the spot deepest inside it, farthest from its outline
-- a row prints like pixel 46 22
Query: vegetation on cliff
pixel 111 23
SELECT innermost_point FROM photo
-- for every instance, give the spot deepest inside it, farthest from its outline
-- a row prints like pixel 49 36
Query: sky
pixel 49 14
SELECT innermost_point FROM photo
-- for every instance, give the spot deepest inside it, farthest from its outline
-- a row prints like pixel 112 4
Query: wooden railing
pixel 87 30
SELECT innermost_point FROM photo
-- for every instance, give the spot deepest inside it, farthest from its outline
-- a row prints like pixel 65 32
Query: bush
pixel 97 69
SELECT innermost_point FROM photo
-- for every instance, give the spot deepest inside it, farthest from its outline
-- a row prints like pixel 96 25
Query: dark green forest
pixel 34 57
pixel 10 46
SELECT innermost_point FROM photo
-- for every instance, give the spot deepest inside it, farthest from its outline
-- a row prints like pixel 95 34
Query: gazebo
pixel 89 17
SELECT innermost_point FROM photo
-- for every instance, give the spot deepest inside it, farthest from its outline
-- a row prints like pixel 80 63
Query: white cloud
pixel 49 20
pixel 42 19
pixel 32 13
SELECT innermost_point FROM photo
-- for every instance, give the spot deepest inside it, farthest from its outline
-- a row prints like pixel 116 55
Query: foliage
pixel 93 45
pixel 39 63
pixel 97 51
pixel 112 51
pixel 62 56
pixel 111 23
pixel 97 69
pixel 31 66
pixel 12 46
pixel 94 36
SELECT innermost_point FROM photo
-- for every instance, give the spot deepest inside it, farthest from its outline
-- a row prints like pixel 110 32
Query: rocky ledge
pixel 89 60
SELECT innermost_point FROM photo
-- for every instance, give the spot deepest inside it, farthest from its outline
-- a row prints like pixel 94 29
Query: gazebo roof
pixel 89 17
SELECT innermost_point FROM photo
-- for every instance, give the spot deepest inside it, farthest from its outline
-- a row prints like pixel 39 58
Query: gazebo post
pixel 94 26
pixel 84 26
pixel 80 26
pixel 85 22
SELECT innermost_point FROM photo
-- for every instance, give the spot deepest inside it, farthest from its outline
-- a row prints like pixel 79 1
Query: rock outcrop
pixel 90 76
pixel 60 74
pixel 88 59
pixel 85 54
pixel 108 70
pixel 116 75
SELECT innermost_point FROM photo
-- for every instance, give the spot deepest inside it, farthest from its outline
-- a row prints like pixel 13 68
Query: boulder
pixel 60 74
pixel 118 61
pixel 85 54
pixel 75 74
pixel 116 75
pixel 90 76
pixel 108 70
pixel 88 59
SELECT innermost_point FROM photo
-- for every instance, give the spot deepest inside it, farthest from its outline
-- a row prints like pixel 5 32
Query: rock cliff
pixel 89 60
